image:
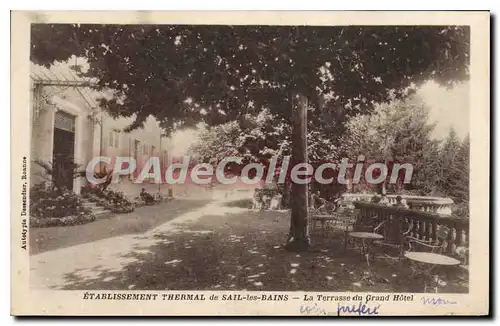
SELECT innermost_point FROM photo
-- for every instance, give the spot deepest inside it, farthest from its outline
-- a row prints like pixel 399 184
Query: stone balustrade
pixel 421 225
pixel 439 205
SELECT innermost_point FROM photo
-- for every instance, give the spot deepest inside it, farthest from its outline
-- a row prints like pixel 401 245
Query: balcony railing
pixel 438 205
pixel 421 225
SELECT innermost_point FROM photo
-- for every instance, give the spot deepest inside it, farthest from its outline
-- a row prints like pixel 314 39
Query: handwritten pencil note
pixel 436 301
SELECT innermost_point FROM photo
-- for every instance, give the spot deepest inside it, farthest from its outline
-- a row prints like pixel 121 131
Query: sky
pixel 181 141
pixel 448 108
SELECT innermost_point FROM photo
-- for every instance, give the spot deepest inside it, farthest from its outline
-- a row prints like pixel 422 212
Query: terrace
pixel 225 245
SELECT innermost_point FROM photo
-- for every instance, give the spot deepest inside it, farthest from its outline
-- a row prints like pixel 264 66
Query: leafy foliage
pixel 112 200
pixel 447 158
pixel 70 220
pixel 455 163
pixel 461 210
pixel 183 74
pixel 65 167
pixel 254 138
pixel 397 132
pixel 257 138
pixel 427 179
pixel 107 175
pixel 56 207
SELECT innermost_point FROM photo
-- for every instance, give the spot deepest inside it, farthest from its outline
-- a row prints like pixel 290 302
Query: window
pixel 145 149
pixel 114 139
pixel 137 146
pixel 165 158
pixel 153 149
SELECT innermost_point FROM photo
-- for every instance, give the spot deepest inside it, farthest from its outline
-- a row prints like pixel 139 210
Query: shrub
pixel 50 206
pixel 65 166
pixel 123 208
pixel 63 221
pixel 51 202
pixel 112 200
pixel 460 210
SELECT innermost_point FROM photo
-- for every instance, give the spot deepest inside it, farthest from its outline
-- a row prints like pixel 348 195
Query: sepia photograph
pixel 267 162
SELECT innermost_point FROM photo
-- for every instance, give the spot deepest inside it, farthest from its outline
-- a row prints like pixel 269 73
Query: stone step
pixel 89 204
pixel 102 213
pixel 99 211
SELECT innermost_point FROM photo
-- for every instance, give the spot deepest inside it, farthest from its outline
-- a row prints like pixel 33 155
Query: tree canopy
pixel 397 132
pixel 186 74
pixel 183 74
pixel 253 137
pixel 454 161
pixel 258 137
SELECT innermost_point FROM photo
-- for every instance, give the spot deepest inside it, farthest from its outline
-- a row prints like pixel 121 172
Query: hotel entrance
pixel 64 149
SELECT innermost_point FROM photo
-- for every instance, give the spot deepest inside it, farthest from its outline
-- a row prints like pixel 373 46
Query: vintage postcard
pixel 250 163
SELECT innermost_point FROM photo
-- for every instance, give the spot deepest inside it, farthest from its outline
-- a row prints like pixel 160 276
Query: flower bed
pixel 111 200
pixel 50 206
pixel 61 221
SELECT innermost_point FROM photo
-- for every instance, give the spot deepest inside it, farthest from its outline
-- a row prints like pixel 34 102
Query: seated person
pixel 400 203
pixel 315 201
pixel 146 197
pixel 276 202
pixel 257 200
pixel 266 201
pixel 384 200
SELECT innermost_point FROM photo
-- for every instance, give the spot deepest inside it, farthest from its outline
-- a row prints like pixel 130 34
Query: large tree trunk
pixel 298 239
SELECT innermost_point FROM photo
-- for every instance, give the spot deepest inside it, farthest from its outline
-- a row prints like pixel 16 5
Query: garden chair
pixel 322 215
pixel 415 244
pixel 395 239
pixel 437 247
pixel 363 239
pixel 346 220
pixel 432 279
